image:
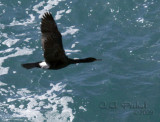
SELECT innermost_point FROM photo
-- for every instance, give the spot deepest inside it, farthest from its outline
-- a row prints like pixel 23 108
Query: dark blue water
pixel 123 87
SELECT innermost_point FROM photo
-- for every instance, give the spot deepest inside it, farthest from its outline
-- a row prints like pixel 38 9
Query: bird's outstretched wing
pixel 51 39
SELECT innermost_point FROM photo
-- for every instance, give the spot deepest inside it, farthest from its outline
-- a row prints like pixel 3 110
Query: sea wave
pixel 18 52
pixel 35 107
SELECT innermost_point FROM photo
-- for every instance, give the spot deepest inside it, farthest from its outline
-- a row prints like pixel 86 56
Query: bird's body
pixel 54 53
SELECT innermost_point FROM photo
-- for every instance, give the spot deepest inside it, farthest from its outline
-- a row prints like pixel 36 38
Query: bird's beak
pixel 98 59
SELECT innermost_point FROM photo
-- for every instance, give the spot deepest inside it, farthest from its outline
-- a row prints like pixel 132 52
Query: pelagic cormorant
pixel 54 53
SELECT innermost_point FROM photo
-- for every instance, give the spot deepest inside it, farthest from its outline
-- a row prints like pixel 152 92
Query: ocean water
pixel 123 87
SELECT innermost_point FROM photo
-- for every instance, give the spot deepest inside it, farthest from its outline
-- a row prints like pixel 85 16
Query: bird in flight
pixel 54 54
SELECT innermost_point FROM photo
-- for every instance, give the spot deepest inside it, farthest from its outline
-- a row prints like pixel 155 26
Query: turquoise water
pixel 123 87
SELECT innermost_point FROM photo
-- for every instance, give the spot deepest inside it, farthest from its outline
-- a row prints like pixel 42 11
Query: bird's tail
pixel 31 65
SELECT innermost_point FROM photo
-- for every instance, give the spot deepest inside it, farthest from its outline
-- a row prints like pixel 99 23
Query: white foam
pixel 23 91
pixel 82 108
pixel 22 34
pixel 54 2
pixel 7 50
pixel 39 108
pixel 140 20
pixel 1 4
pixel 70 30
pixel 4 35
pixel 27 39
pixel 71 51
pixel 14 72
pixel 43 7
pixel 73 45
pixel 19 2
pixel 4 11
pixel 23 22
pixel 37 6
pixel 2 26
pixel 13 86
pixel 68 53
pixel 2 84
pixel 68 11
pixel 3 90
pixel 19 52
pixel 59 14
pixel 9 42
pixel 143 22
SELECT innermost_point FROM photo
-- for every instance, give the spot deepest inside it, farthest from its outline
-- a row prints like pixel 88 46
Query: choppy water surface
pixel 123 87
